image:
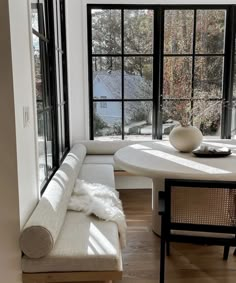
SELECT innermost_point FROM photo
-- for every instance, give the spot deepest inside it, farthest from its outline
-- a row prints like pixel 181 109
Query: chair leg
pixel 168 248
pixel 235 252
pixel 226 252
pixel 162 252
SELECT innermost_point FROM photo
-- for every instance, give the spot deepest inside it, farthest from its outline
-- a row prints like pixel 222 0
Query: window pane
pixel 233 121
pixel 174 112
pixel 207 117
pixel 58 28
pixel 39 18
pixel 208 77
pixel 37 66
pixel 107 120
pixel 210 31
pixel 46 72
pixel 178 31
pixel 63 140
pixel 138 31
pixel 56 22
pixel 35 19
pixel 41 149
pixel 138 120
pixel 177 77
pixel 138 77
pixel 49 141
pixel 60 79
pixel 107 77
pixel 59 131
pixel 41 72
pixel 106 31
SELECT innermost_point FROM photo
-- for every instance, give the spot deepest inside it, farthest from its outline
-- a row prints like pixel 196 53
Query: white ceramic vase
pixel 185 139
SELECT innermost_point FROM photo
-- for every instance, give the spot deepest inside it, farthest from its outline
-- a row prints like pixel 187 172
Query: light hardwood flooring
pixel 187 264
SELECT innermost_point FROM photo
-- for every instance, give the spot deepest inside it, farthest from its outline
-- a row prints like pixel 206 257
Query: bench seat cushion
pixel 101 159
pixel 99 173
pixel 84 244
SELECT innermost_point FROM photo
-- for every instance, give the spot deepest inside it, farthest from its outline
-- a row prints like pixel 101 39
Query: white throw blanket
pixel 100 200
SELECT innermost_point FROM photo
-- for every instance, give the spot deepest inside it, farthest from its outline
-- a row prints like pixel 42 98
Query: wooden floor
pixel 187 263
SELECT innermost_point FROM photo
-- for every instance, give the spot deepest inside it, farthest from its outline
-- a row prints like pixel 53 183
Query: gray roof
pixel 135 86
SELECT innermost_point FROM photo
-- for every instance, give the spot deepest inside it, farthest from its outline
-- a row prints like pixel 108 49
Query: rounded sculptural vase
pixel 185 139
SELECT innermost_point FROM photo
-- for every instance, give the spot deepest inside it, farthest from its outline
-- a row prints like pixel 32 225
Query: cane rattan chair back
pixel 197 211
pixel 198 207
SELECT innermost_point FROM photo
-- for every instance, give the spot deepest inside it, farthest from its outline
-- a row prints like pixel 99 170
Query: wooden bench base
pixel 67 277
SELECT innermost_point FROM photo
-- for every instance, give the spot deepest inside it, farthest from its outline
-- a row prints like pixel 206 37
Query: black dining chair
pixel 197 211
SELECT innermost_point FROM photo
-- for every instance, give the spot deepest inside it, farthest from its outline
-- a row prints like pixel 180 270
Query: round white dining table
pixel 159 160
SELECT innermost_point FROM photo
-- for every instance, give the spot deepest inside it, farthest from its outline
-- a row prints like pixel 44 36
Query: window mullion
pixel 52 70
pixel 158 71
pixel 228 73
pixel 90 74
pixel 155 74
pixel 193 60
pixel 122 74
pixel 44 95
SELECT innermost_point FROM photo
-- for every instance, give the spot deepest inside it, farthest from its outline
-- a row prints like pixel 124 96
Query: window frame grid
pixel 158 56
pixel 123 55
pixel 194 55
pixel 47 108
pixel 47 45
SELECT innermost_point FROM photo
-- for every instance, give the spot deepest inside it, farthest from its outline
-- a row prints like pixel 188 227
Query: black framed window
pixel 157 65
pixel 121 71
pixel 233 121
pixel 194 55
pixel 52 138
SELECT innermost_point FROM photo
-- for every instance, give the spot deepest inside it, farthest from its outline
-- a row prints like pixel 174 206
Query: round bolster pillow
pixel 43 227
pixel 36 241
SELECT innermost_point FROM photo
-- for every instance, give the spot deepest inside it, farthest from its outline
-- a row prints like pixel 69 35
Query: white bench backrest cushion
pixel 43 227
pixel 104 147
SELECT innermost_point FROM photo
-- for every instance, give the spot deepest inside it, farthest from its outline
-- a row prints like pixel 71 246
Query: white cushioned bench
pixel 68 246
pixel 101 152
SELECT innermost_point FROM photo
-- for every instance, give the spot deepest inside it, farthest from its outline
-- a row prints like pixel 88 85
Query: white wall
pixel 23 95
pixel 18 169
pixel 133 182
pixel 78 98
pixel 9 209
